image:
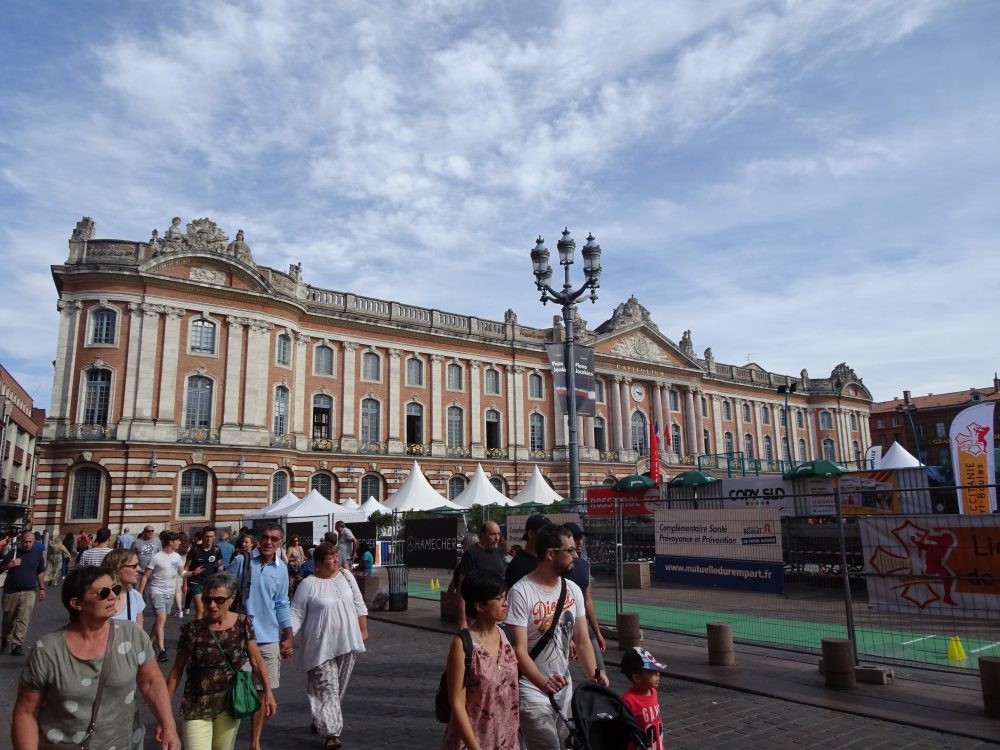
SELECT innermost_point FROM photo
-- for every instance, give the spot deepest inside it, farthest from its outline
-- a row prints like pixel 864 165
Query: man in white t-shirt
pixel 531 609
pixel 160 580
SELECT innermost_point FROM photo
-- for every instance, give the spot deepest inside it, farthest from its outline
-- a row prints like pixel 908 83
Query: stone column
pixel 626 402
pixel 616 415
pixel 396 443
pixel 65 367
pixel 656 388
pixel 300 403
pixel 719 432
pixel 132 363
pixel 232 420
pixel 148 346
pixel 168 405
pixel 476 415
pixel 699 422
pixel 257 394
pixel 690 424
pixel 521 433
pixel 348 429
pixel 758 435
pixel 438 447
pixel 811 448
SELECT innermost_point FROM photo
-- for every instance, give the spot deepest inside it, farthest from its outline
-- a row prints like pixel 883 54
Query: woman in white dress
pixel 331 620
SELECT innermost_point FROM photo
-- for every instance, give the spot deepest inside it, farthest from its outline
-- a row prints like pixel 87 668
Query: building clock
pixel 638 392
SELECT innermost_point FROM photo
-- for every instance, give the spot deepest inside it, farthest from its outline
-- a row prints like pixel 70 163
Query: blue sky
pixel 800 183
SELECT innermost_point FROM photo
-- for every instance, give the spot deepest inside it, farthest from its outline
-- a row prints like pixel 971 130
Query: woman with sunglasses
pixel 296 556
pixel 123 567
pixel 65 667
pixel 213 649
pixel 331 620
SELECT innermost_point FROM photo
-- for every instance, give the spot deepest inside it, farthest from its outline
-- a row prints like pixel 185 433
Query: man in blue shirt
pixel 580 575
pixel 226 549
pixel 267 602
pixel 125 540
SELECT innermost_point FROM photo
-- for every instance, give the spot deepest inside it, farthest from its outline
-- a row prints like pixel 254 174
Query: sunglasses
pixel 218 601
pixel 134 566
pixel 107 591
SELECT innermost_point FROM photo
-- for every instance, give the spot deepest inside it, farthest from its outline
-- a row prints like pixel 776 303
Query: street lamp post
pixel 786 389
pixel 909 410
pixel 567 298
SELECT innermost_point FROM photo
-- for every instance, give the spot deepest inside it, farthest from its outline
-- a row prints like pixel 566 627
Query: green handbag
pixel 242 698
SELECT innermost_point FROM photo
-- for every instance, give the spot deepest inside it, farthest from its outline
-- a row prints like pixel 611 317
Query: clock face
pixel 638 392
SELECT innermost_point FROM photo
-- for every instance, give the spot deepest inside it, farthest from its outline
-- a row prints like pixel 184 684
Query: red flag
pixel 654 451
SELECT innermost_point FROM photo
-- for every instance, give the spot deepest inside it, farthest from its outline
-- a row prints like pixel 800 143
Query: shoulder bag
pixel 242 699
pixel 84 744
pixel 547 635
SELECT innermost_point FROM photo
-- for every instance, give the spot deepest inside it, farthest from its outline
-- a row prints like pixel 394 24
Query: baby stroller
pixel 601 720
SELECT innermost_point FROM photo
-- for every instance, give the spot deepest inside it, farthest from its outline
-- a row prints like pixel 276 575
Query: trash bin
pixel 398 600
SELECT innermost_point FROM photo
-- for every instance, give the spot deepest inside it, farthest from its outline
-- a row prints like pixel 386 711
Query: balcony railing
pixel 322 444
pixel 92 432
pixel 540 455
pixel 496 453
pixel 458 451
pixel 282 441
pixel 18 456
pixel 197 435
pixel 417 449
pixel 372 446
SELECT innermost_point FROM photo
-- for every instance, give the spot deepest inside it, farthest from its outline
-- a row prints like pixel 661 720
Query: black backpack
pixel 442 704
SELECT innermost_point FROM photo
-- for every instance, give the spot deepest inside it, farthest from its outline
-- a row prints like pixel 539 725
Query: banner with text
pixel 600 501
pixel 515 525
pixel 933 564
pixel 973 458
pixel 738 549
pixel 586 396
pixel 755 492
pixel 431 542
pixel 869 492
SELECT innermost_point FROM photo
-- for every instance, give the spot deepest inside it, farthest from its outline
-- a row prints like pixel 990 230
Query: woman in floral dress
pixel 206 723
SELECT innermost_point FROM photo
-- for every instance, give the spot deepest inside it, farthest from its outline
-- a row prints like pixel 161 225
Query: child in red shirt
pixel 643 671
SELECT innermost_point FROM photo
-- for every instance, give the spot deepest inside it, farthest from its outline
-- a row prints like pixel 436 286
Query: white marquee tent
pixel 897 457
pixel 537 490
pixel 371 505
pixel 481 492
pixel 416 493
pixel 285 502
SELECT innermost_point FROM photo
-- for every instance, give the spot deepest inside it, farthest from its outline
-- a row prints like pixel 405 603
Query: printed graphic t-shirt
pixel 647 710
pixel 199 557
pixel 532 607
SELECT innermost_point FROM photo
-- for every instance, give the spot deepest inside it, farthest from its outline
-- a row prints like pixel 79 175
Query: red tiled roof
pixel 936 400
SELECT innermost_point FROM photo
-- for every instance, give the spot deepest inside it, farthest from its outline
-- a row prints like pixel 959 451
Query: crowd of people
pixel 260 600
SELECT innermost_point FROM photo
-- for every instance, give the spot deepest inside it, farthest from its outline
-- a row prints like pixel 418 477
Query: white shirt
pixel 325 614
pixel 164 566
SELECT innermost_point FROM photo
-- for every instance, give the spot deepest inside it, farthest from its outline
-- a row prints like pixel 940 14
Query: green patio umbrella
pixel 634 482
pixel 691 478
pixel 444 510
pixel 819 468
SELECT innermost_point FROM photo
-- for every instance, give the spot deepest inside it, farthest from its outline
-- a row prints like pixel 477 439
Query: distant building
pixel 932 416
pixel 193 384
pixel 20 427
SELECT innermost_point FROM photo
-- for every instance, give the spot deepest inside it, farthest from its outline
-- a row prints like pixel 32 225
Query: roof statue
pixel 686 346
pixel 625 315
pixel 85 229
pixel 241 250
pixel 843 373
pixel 709 357
pixel 200 235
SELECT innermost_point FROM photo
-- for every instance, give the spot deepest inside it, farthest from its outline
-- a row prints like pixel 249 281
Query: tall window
pixel 194 493
pixel 536 423
pixel 498 485
pixel 455 373
pixel 599 390
pixel 768 450
pixel 280 410
pixel 104 326
pixel 802 449
pixel 704 407
pixel 279 485
pixel 854 422
pixel 728 442
pixel 284 349
pixel 675 401
pixel 829 452
pixel 746 413
pixel 97 398
pixel 748 446
pixel 492 429
pixel 414 371
pixel 371 366
pixel 198 412
pixel 456 486
pixel 856 450
pixel 322 416
pixel 727 411
pixel 799 420
pixel 783 417
pixel 707 440
pixel 784 449
pixel 640 434
pixel 534 385
pixel 323 484
pixel 493 382
pixel 675 439
pixel 203 336
pixel 371 486
pixel 414 424
pixel 323 360
pixel 456 427
pixel 825 420
pixel 765 414
pixel 86 493
pixel 600 439
pixel 371 413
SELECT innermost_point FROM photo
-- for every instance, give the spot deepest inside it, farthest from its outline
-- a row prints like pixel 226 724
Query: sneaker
pixel 4 645
pixel 179 615
pixel 17 650
pixel 162 656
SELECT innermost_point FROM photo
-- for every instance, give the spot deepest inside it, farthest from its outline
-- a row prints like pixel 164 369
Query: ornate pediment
pixel 201 235
pixel 627 314
pixel 641 347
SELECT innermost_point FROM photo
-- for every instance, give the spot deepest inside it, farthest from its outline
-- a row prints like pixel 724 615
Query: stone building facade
pixel 20 428
pixel 193 384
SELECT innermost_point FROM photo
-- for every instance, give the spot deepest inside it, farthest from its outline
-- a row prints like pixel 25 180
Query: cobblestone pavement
pixel 391 695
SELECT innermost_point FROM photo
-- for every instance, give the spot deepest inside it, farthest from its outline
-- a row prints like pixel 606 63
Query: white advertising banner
pixel 515 524
pixel 726 534
pixel 973 458
pixel 755 492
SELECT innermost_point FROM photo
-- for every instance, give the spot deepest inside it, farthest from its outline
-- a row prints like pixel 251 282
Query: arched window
pixel 194 493
pixel 854 422
pixel 371 366
pixel 105 321
pixel 600 439
pixel 707 441
pixel 371 420
pixel 280 410
pixel 456 427
pixel 492 429
pixel 675 439
pixel 640 435
pixel 279 485
pixel 829 451
pixel 456 486
pixel 323 360
pixel 284 355
pixel 802 449
pixel 748 446
pixel 414 424
pixel 202 336
pixel 728 442
pixel 535 385
pixel 323 484
pixel 727 411
pixel 493 382
pixel 768 450
pixel 675 401
pixel 455 377
pixel 536 424
pixel 415 372
pixel 198 410
pixel 97 398
pixel 825 420
pixel 86 494
pixel 371 486
pixel 799 420
pixel 498 484
pixel 746 413
pixel 322 416
pixel 765 414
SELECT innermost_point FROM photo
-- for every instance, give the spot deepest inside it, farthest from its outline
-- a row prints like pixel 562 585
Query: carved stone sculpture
pixel 85 229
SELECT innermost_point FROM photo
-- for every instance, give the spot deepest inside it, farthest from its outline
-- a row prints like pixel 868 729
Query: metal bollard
pixel 629 634
pixel 720 644
pixel 838 663
pixel 989 677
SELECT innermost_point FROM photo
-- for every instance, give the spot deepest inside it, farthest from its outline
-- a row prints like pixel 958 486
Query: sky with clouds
pixel 798 182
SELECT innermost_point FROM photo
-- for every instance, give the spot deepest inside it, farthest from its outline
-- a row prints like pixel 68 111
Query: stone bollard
pixel 629 634
pixel 989 677
pixel 720 644
pixel 838 663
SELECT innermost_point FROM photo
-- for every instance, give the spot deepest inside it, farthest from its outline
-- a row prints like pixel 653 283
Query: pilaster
pixel 348 430
pixel 476 417
pixel 438 447
pixel 396 444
